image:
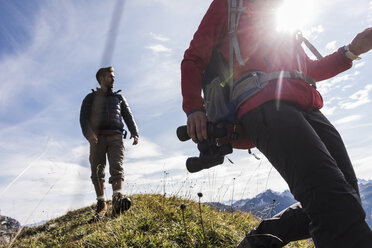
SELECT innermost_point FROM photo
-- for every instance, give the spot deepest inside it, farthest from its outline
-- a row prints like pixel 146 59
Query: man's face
pixel 108 81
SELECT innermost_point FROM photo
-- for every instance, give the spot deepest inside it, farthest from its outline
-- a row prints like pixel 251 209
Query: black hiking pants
pixel 309 154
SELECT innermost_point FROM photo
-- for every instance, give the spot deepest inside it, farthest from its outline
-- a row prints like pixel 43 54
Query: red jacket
pixel 262 50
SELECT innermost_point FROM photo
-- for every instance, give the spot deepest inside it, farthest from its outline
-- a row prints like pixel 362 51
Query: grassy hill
pixel 153 221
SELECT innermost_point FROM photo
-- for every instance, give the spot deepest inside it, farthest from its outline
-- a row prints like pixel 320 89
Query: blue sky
pixel 49 54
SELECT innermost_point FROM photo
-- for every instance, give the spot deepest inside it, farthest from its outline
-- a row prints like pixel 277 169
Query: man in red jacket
pixel 284 122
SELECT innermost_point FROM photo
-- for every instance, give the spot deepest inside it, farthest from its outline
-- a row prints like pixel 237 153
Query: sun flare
pixel 294 15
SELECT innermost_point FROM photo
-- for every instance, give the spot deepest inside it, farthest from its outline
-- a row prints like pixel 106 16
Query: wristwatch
pixel 349 54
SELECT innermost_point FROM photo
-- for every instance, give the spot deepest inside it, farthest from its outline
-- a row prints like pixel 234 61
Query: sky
pixel 49 54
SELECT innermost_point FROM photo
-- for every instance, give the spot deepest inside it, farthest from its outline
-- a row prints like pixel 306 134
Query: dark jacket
pixel 103 112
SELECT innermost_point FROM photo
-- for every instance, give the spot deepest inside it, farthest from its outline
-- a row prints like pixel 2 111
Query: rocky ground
pixel 8 229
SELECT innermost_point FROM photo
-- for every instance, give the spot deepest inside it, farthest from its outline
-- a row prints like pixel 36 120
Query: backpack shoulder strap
pixel 117 92
pixel 309 45
pixel 235 8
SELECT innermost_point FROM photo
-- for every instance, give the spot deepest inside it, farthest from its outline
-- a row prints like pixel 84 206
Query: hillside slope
pixel 153 221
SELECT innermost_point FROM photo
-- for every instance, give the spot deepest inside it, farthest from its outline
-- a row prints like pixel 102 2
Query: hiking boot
pixel 245 244
pixel 100 211
pixel 260 241
pixel 120 204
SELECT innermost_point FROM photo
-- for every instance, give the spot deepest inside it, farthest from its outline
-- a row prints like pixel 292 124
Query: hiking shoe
pixel 245 244
pixel 100 211
pixel 120 204
pixel 260 241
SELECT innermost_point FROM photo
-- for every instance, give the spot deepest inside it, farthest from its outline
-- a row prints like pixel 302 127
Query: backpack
pixel 223 96
pixel 218 75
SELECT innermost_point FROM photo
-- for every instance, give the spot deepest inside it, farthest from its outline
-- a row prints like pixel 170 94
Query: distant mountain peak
pixel 269 202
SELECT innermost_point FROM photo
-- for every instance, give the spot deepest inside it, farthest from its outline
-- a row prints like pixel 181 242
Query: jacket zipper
pixel 108 110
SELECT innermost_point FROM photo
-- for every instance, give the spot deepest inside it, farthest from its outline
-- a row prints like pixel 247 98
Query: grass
pixel 153 221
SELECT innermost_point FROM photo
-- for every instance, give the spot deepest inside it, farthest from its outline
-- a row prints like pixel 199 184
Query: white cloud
pixel 348 119
pixel 331 45
pixel 361 158
pixel 357 99
pixel 59 178
pixel 158 48
pixel 363 165
pixel 80 152
pixel 346 87
pixel 342 78
pixel 328 110
pixel 48 183
pixel 215 183
pixel 159 89
pixel 159 37
pixel 63 43
pixel 327 86
pixel 359 64
pixel 144 149
pixel 313 32
pixel 147 169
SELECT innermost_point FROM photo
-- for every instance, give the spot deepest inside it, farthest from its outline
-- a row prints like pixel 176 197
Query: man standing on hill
pixel 102 125
pixel 281 117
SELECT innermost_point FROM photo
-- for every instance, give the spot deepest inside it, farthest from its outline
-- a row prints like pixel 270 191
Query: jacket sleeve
pixel 85 111
pixel 128 117
pixel 197 56
pixel 329 66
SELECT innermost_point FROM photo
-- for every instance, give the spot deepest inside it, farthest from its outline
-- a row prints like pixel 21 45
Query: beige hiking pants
pixel 113 146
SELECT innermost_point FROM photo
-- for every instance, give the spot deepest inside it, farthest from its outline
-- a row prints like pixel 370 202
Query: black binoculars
pixel 211 154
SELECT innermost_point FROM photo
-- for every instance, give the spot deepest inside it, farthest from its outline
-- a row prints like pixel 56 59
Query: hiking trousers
pixel 309 154
pixel 113 146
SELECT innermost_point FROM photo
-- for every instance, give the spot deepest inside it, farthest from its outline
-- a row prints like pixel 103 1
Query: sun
pixel 295 15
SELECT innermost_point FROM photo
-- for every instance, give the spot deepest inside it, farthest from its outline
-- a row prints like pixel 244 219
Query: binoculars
pixel 211 153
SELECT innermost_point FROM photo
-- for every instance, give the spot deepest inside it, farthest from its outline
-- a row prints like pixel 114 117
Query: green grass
pixel 153 221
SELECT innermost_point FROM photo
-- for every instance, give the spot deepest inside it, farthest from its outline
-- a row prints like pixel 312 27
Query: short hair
pixel 102 72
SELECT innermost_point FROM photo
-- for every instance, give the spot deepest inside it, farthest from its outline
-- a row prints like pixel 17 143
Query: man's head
pixel 106 77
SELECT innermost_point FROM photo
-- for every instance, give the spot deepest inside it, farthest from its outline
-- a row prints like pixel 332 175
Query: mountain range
pixel 269 203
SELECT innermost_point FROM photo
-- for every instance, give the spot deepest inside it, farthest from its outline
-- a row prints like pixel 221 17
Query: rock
pixel 8 229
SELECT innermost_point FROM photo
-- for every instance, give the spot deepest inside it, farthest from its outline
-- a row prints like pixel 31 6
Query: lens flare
pixel 295 15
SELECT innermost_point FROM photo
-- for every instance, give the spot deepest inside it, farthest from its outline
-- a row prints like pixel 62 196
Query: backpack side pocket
pixel 216 99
